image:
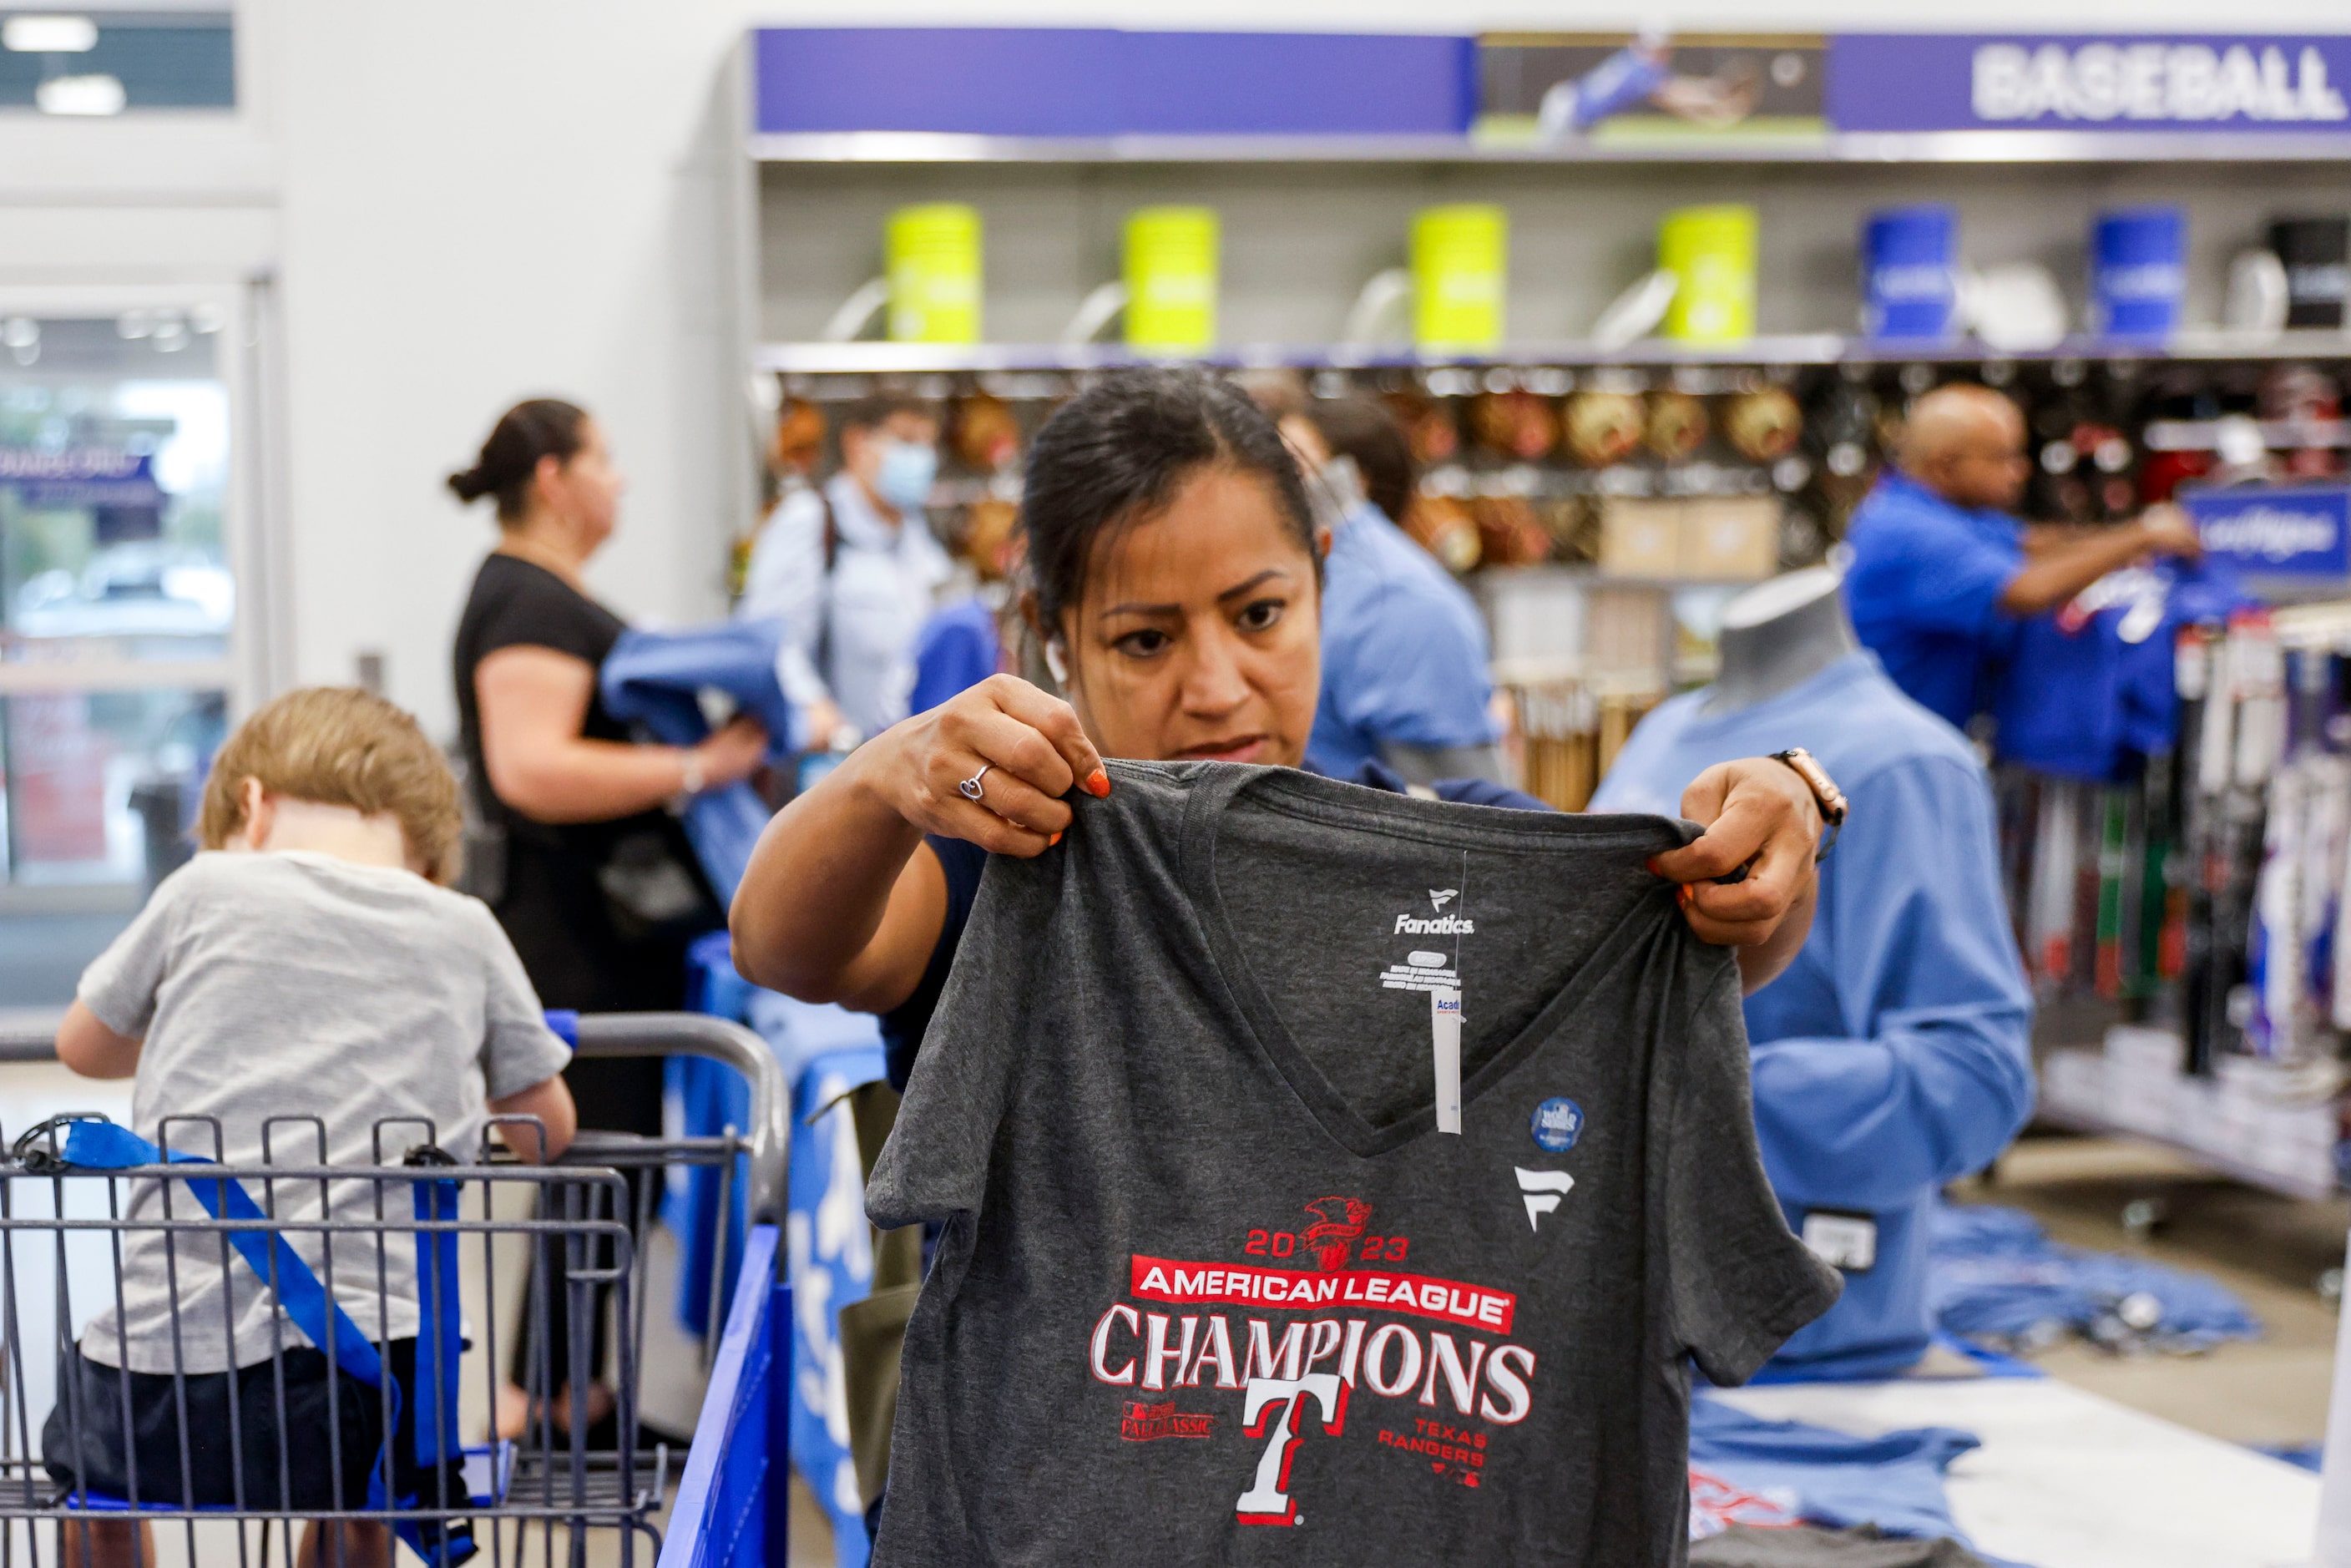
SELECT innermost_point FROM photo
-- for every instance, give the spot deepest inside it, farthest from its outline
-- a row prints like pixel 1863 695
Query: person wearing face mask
pixel 1406 677
pixel 852 570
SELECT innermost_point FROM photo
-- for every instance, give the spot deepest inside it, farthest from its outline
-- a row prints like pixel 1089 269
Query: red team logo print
pixel 1296 1342
pixel 1338 1225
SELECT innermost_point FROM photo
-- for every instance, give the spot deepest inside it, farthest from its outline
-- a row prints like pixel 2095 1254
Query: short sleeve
pixel 961 862
pixel 1740 1282
pixel 1428 689
pixel 935 1162
pixel 121 984
pixel 1957 576
pixel 518 1048
pixel 539 611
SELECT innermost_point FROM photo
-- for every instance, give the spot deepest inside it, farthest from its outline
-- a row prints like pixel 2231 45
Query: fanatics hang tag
pixel 1444 1032
pixel 1841 1239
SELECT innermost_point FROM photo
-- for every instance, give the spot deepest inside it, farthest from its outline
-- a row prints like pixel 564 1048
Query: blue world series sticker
pixel 1558 1123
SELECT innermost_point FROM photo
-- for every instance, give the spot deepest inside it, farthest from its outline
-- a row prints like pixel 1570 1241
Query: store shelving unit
pixel 877 359
pixel 1309 218
pixel 1796 147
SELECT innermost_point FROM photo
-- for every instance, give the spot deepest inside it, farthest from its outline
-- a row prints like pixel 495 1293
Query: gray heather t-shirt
pixel 294 984
pixel 1214 1289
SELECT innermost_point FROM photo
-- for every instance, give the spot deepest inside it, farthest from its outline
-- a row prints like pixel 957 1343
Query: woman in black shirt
pixel 595 882
pixel 582 810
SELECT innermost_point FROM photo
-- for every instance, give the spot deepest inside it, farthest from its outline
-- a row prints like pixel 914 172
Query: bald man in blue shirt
pixel 1941 573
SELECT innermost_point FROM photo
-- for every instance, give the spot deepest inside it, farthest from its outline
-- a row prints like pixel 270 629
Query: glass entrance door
pixel 123 625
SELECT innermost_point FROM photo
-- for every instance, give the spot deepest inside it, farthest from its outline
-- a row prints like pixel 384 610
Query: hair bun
pixel 525 435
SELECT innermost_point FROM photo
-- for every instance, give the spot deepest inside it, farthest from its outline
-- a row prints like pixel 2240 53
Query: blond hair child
pixel 310 961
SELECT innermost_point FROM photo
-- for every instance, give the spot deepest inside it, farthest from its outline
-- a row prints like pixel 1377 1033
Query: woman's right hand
pixel 1033 745
pixel 732 752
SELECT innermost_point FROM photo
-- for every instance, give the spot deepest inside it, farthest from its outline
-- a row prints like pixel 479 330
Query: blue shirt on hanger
pixel 1892 1055
pixel 1404 657
pixel 1924 589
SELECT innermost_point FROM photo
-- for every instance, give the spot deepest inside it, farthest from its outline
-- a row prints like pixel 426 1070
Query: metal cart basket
pixel 379 1296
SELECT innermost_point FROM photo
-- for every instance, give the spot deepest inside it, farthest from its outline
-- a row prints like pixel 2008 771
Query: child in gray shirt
pixel 309 962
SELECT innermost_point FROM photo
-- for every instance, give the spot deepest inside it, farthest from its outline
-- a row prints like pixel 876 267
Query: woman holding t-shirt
pixel 1174 578
pixel 588 874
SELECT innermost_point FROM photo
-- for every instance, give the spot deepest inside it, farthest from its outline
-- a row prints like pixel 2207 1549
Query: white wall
pixel 473 202
pixel 482 203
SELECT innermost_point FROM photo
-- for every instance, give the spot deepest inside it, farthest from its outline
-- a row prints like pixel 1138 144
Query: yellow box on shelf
pixel 1171 280
pixel 932 255
pixel 1711 251
pixel 1460 277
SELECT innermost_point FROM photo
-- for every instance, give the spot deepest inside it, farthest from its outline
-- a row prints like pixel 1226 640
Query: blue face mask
pixel 906 473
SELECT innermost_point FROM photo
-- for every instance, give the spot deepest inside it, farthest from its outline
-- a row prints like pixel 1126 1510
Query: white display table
pixel 2067 1479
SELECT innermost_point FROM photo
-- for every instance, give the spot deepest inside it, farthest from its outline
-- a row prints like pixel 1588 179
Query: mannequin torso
pixel 1779 634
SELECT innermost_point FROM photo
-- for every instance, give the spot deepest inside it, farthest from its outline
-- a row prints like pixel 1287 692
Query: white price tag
pixel 1445 1034
pixel 1842 1239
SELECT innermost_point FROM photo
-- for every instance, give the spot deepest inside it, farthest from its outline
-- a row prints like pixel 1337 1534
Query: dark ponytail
pixel 1118 452
pixel 539 427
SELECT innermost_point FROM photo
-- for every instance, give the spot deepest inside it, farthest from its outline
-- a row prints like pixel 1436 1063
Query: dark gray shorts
pixel 82 1442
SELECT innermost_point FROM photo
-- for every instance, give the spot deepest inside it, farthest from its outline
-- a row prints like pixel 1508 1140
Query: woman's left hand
pixel 1756 813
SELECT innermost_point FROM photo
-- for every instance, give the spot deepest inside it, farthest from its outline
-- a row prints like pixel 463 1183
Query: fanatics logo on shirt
pixel 1443 925
pixel 1544 1190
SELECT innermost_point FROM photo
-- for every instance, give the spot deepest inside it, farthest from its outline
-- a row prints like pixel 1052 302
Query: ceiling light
pixel 48 35
pixel 81 95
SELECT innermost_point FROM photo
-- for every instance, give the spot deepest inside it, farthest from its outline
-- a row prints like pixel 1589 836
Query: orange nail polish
pixel 1098 783
pixel 1651 863
pixel 1051 841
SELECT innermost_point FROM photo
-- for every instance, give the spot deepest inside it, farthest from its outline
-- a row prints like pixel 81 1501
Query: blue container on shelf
pixel 2138 272
pixel 1910 279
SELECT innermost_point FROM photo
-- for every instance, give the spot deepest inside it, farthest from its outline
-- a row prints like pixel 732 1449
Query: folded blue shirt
pixel 1893 1480
pixel 655 679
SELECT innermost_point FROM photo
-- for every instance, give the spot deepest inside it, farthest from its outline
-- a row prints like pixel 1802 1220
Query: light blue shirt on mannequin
pixel 1892 1056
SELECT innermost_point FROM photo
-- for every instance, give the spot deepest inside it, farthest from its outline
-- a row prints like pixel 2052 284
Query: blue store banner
pixel 1100 83
pixel 2301 531
pixel 1985 81
pixel 1092 83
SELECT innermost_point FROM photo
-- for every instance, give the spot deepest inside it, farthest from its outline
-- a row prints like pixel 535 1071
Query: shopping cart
pixel 484 1243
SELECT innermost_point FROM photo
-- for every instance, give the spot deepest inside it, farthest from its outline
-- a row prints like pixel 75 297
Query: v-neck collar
pixel 1443 824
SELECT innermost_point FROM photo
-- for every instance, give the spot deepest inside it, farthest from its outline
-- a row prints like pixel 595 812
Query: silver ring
pixel 969 788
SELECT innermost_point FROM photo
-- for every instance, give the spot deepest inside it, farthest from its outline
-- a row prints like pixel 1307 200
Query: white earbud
pixel 1054 663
